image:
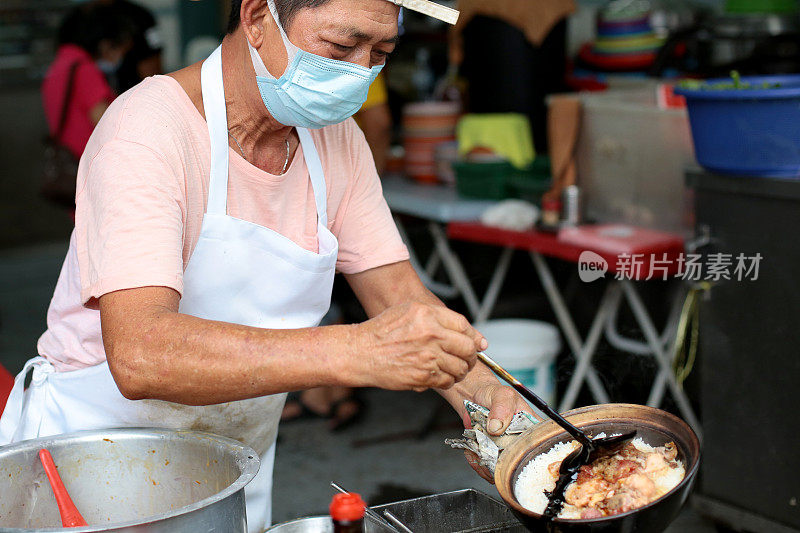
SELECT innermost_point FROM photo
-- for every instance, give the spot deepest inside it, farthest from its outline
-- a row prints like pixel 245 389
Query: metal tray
pixel 461 511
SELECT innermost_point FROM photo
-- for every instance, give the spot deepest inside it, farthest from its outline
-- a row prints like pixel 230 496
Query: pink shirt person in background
pixel 92 38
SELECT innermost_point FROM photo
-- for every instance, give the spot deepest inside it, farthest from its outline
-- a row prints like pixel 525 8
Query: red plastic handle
pixel 70 517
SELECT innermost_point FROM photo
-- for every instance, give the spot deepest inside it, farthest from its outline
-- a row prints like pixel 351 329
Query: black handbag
pixel 60 172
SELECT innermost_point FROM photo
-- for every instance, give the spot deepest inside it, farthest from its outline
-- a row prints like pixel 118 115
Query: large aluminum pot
pixel 323 524
pixel 130 480
pixel 312 524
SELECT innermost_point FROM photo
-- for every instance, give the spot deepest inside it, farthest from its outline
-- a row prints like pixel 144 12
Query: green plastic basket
pixel 530 190
pixel 761 6
pixel 482 180
pixel 532 182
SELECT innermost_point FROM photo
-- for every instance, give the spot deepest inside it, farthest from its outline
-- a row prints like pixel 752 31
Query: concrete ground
pixel 386 457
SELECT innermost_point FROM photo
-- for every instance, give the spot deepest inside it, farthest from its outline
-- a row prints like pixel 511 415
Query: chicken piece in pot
pixel 654 462
pixel 619 483
pixel 669 451
pixel 588 490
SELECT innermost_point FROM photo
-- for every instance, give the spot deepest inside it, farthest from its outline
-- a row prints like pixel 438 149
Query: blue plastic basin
pixel 748 132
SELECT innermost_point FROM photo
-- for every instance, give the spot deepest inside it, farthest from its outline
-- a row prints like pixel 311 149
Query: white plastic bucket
pixel 527 349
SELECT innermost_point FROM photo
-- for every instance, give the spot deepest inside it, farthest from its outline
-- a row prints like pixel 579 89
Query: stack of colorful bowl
pixel 426 125
pixel 625 41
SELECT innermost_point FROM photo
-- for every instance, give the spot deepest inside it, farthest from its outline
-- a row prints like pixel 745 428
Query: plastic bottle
pixel 347 513
pixel 572 206
pixel 423 77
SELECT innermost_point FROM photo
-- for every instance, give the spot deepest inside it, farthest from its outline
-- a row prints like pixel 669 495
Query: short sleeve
pixel 368 236
pixel 130 214
pixel 91 87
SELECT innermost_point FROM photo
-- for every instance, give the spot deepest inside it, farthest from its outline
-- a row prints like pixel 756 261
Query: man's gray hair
pixel 287 9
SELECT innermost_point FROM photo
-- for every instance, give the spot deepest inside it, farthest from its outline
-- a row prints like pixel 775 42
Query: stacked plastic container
pixel 426 126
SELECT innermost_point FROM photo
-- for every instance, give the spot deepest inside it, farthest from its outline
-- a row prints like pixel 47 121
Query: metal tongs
pixel 390 520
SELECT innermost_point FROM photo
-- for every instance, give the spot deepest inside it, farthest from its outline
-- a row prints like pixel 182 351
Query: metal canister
pixel 572 206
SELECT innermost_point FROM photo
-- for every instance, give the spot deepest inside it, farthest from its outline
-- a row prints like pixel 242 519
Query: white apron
pixel 239 272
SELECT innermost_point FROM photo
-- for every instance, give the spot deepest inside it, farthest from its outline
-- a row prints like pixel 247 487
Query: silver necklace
pixel 285 164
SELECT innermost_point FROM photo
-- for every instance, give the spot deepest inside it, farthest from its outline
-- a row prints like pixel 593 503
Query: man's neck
pixel 262 138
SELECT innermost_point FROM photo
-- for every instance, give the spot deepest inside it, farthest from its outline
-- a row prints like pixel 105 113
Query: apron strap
pixel 317 176
pixel 217 121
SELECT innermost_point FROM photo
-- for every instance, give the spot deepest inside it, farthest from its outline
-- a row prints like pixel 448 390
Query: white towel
pixel 514 215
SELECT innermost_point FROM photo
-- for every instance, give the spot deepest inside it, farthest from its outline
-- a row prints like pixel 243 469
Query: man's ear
pixel 256 21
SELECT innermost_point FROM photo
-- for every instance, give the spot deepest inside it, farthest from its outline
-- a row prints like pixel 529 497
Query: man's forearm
pixel 387 286
pixel 180 358
pixel 156 352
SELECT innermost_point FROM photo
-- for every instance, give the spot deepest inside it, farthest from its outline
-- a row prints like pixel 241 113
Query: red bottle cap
pixel 347 507
pixel 551 205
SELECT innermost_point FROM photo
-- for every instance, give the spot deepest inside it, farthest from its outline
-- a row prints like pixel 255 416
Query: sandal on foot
pixel 339 423
pixel 305 412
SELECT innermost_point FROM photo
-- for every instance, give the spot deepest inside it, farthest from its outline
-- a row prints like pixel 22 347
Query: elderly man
pixel 213 207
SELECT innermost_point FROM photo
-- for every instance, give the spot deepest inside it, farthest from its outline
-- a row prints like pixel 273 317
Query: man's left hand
pixel 503 403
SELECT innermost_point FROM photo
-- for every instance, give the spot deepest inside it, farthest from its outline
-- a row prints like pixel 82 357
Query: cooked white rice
pixel 535 478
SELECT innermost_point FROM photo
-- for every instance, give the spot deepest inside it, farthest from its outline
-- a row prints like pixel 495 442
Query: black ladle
pixel 589 451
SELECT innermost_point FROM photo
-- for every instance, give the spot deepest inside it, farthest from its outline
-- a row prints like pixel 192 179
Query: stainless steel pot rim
pixel 301 520
pixel 243 455
pixel 688 477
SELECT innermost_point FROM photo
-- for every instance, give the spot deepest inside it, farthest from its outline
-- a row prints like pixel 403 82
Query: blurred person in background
pixel 375 120
pixel 144 57
pixel 92 39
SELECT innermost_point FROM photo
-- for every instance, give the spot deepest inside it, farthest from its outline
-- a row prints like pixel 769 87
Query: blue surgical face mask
pixel 108 67
pixel 314 91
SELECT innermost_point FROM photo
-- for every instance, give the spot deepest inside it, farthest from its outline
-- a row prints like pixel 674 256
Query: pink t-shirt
pixel 142 190
pixel 89 89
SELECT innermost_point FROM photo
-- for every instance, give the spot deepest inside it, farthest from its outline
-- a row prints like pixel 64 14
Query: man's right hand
pixel 414 346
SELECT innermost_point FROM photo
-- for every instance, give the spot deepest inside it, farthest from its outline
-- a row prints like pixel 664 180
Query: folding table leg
pixel 454 268
pixel 610 298
pixel 443 290
pixel 433 263
pixel 651 335
pixel 567 325
pixel 671 330
pixel 667 340
pixel 496 283
pixel 618 341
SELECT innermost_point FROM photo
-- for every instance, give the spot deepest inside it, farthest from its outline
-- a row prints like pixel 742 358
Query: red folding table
pixel 633 256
